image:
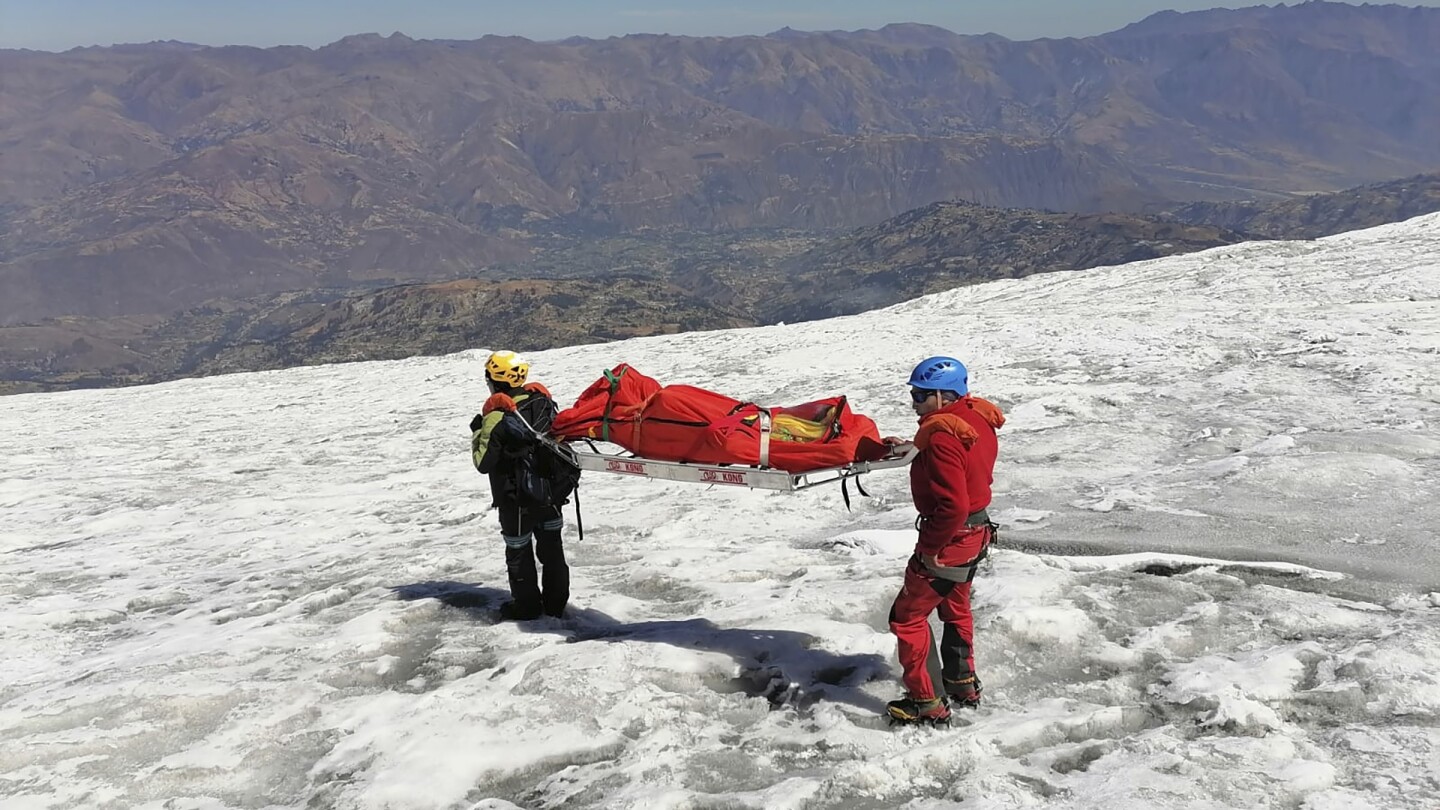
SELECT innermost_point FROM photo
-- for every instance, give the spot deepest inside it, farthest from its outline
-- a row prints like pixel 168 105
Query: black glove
pixel 475 423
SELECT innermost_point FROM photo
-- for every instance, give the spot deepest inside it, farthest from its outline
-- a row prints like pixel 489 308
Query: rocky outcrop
pixel 1318 215
pixel 946 245
pixel 311 328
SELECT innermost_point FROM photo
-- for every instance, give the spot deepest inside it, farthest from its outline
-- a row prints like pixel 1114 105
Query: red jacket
pixel 951 476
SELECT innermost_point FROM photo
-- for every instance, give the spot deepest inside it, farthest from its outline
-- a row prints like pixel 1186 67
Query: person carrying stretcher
pixel 950 484
pixel 503 446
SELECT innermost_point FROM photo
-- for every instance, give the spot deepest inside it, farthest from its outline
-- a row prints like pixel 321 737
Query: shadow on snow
pixel 782 666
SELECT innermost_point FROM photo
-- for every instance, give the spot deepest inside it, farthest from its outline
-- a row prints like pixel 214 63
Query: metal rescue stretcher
pixel 738 475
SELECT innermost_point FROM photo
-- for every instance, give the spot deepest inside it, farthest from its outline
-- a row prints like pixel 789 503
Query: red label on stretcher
pixel 722 477
pixel 627 467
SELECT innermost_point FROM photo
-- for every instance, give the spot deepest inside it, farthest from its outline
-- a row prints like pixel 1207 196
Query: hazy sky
pixel 61 24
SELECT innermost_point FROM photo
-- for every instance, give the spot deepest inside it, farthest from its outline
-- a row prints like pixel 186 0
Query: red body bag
pixel 685 423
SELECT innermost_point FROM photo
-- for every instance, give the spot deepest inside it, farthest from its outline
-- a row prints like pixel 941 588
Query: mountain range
pixel 151 179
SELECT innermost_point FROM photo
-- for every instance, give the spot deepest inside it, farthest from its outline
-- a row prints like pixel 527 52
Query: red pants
pixel 922 594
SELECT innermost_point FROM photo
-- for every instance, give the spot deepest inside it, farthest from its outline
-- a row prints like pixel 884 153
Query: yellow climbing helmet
pixel 507 368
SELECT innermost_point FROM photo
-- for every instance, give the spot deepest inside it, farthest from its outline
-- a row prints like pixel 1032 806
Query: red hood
pixel 949 420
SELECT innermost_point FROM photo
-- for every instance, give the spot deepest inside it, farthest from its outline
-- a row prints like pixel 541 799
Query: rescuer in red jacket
pixel 950 484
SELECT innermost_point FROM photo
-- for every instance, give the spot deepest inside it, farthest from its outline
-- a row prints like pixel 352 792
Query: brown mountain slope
pixel 659 282
pixel 258 215
pixel 312 328
pixel 1320 215
pixel 945 245
pixel 759 276
pixel 146 179
pixel 456 315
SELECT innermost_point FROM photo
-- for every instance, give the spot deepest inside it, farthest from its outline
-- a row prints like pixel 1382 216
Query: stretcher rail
pixel 736 475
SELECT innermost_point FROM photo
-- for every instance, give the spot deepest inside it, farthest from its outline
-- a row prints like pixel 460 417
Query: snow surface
pixel 1219 585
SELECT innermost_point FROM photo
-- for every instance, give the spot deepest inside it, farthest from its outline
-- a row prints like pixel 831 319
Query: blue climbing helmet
pixel 941 374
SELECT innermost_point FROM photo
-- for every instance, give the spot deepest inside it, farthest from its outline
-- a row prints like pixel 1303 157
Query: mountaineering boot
pixel 964 692
pixel 912 710
pixel 554 573
pixel 517 611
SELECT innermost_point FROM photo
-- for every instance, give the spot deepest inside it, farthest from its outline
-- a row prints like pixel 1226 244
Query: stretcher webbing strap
pixel 845 493
pixel 662 421
pixel 614 380
pixel 833 431
pixel 764 437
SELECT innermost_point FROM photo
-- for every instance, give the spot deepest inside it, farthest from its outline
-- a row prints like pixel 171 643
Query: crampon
pixel 909 711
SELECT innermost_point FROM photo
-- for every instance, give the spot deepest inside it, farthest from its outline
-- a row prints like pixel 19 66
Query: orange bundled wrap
pixel 689 424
